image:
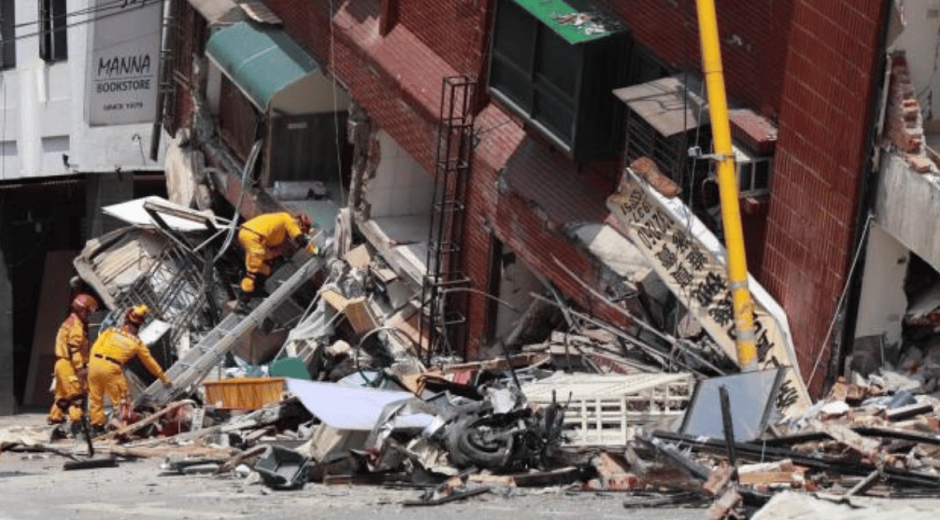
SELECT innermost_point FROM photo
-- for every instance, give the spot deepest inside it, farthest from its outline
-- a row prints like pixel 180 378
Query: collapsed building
pixel 518 280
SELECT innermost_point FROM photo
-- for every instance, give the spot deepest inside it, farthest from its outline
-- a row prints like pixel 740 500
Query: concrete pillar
pixel 7 400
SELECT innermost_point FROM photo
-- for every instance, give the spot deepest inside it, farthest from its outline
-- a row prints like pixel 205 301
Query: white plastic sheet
pixel 351 408
pixel 133 212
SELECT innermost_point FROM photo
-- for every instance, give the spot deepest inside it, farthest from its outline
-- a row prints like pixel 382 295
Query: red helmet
pixel 138 314
pixel 84 302
pixel 304 221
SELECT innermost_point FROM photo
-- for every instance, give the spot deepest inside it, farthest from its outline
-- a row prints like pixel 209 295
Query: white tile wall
pixel 401 186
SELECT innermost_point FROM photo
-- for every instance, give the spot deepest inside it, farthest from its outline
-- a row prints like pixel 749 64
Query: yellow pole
pixel 728 187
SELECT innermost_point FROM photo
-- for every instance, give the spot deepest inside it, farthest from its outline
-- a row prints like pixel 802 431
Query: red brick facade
pixel 821 159
pixel 806 65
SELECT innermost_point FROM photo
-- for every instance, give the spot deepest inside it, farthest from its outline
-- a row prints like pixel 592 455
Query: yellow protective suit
pixel 265 238
pixel 111 351
pixel 71 352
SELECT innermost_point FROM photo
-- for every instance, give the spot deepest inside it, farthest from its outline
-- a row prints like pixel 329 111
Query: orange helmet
pixel 138 314
pixel 84 302
pixel 304 221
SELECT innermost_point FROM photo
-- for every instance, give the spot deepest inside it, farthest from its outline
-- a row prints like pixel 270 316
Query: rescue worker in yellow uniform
pixel 111 351
pixel 265 238
pixel 71 352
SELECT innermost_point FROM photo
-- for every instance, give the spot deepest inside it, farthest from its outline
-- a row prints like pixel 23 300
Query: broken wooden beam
pixel 145 422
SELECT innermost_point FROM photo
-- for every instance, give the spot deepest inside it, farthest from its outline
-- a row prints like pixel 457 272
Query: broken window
pixel 53 44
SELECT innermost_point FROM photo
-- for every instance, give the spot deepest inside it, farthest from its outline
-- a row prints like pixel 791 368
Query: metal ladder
pixel 193 367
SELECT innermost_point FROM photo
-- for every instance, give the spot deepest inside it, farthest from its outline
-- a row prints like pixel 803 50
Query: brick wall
pixel 825 117
pixel 806 65
pixel 190 29
pixel 397 79
pixel 753 35
pixel 453 28
pixel 526 195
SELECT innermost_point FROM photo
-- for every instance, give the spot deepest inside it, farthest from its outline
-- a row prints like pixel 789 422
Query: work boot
pixel 241 308
pixel 97 431
pixel 59 432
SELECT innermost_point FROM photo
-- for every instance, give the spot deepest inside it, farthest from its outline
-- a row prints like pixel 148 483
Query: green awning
pixel 577 21
pixel 260 60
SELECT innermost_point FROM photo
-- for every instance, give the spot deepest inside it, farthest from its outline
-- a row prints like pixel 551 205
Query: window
pixel 52 34
pixel 562 86
pixel 7 34
pixel 753 173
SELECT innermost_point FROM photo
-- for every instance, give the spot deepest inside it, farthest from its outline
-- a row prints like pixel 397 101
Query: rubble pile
pixel 859 440
pixel 328 377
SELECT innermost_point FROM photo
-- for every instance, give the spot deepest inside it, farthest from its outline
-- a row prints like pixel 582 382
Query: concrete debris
pixel 330 375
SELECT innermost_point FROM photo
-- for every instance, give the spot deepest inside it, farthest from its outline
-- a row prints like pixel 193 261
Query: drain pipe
pixel 169 17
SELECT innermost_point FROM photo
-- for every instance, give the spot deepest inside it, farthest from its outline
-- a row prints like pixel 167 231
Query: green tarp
pixel 577 21
pixel 260 60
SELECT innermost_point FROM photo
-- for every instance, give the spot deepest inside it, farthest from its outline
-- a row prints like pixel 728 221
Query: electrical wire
pixel 43 32
pixel 443 300
pixel 83 11
pixel 339 160
pixel 249 165
pixel 845 290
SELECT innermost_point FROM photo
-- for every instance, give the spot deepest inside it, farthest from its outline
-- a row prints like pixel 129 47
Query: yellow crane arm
pixel 746 344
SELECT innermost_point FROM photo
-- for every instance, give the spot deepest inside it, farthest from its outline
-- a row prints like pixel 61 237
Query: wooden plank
pixel 359 257
pixel 335 299
pixel 359 315
pixel 146 422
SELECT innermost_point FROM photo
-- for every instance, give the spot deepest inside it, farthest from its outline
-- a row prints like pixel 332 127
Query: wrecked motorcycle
pixel 502 433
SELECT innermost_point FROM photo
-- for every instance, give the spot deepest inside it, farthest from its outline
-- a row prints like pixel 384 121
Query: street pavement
pixel 34 486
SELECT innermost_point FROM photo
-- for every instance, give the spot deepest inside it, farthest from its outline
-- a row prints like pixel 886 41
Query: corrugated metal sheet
pixel 259 60
pixel 668 104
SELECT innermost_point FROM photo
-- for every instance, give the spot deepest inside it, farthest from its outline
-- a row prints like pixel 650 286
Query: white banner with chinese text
pixel 691 262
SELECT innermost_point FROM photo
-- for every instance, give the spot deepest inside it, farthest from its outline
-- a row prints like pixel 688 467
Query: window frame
pixel 746 164
pixel 53 33
pixel 535 89
pixel 581 131
pixel 8 33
